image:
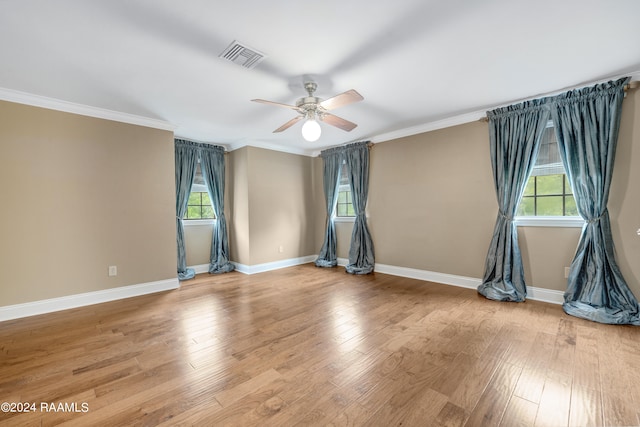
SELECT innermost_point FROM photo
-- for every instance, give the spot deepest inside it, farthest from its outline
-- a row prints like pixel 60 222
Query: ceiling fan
pixel 313 109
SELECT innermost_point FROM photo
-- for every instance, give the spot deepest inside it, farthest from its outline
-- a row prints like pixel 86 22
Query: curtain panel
pixel 212 162
pixel 213 170
pixel 587 123
pixel 186 160
pixel 361 252
pixel 514 133
pixel 332 163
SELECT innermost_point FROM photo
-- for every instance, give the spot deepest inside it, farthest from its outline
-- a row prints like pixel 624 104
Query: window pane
pixel 549 184
pixel 342 210
pixel 350 211
pixel 567 186
pixel 570 206
pixel 527 207
pixel 342 197
pixel 193 212
pixel 194 198
pixel 550 206
pixel 529 190
pixel 349 197
pixel 205 199
pixel 344 176
pixel 207 212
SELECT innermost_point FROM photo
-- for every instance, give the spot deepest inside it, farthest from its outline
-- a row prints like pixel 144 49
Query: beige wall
pixel 432 206
pixel 272 206
pixel 197 243
pixel 238 193
pixel 80 194
pixel 431 200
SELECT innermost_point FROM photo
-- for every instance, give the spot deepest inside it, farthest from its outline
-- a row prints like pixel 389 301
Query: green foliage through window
pixel 547 195
pixel 548 192
pixel 345 205
pixel 199 206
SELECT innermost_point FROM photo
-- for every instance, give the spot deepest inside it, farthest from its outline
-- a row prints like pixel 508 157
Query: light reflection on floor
pixel 201 328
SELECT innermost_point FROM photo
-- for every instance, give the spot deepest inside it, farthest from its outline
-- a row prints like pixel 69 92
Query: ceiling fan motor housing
pixel 308 103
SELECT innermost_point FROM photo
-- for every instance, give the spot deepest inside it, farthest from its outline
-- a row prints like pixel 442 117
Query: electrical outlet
pixel 113 270
pixel 566 272
pixel 638 231
pixel 281 249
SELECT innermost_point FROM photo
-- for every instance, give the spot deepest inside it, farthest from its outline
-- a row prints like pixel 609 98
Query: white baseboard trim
pixel 268 266
pixel 533 293
pixel 201 268
pixel 18 311
pixel 430 276
pixel 545 295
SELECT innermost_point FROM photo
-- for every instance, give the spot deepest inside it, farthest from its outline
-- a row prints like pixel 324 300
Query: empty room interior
pixel 359 213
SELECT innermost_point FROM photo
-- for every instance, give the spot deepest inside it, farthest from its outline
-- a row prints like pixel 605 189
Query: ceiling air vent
pixel 242 55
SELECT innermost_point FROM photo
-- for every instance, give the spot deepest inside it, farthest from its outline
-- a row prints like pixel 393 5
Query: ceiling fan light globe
pixel 311 130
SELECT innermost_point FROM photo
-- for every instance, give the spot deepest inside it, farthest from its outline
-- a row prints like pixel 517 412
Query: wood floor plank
pixel 353 415
pixel 468 392
pixel 230 395
pixel 311 346
pixel 555 402
pixel 586 407
pixel 493 402
pixel 519 413
pixel 423 408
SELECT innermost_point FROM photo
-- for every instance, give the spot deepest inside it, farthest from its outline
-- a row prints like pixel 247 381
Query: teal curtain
pixel 587 122
pixel 213 170
pixel 514 134
pixel 186 160
pixel 361 252
pixel 332 163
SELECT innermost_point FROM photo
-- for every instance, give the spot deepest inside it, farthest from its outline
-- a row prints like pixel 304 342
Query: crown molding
pixel 83 110
pixel 430 126
pixel 461 119
pixel 269 146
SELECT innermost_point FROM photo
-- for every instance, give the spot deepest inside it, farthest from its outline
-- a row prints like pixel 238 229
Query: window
pixel 344 207
pixel 548 193
pixel 199 206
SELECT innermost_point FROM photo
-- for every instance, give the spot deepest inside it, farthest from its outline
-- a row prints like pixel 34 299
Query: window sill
pixel 344 219
pixel 549 221
pixel 192 222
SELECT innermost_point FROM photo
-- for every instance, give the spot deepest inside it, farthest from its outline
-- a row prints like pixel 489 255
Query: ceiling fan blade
pixel 277 104
pixel 338 122
pixel 344 98
pixel 288 124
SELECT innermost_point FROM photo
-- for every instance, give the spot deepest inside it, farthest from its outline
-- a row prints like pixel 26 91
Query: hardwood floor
pixel 310 346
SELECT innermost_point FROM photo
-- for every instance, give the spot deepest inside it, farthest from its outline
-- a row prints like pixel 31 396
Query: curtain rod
pixel 629 86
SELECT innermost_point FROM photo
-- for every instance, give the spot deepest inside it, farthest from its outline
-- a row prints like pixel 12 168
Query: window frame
pixel 549 221
pixel 198 221
pixel 343 188
pixel 198 188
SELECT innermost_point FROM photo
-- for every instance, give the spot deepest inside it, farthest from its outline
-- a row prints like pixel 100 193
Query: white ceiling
pixel 416 62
